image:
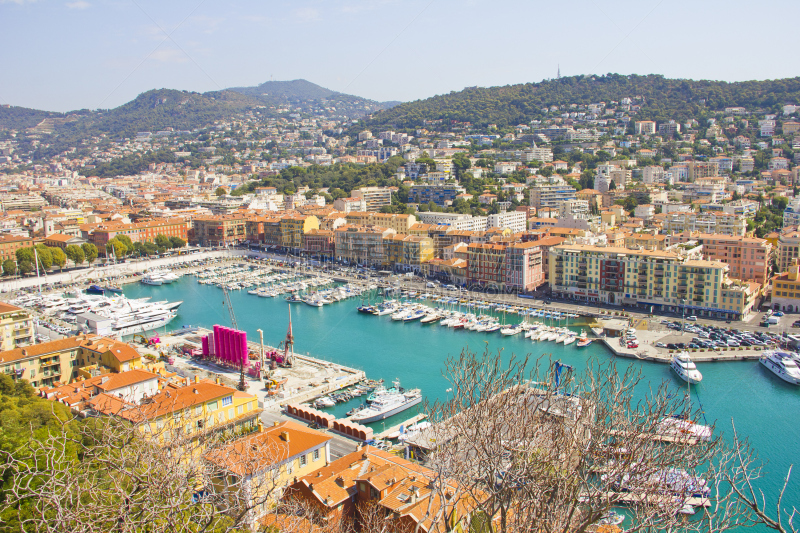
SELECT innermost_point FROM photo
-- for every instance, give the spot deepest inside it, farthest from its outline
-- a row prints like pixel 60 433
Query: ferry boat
pixel 782 366
pixel 685 368
pixel 388 403
pixel 583 340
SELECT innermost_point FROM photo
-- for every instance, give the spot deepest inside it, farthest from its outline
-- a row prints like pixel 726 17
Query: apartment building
pixel 788 246
pixel 438 194
pixel 702 169
pixel 456 221
pixel 254 457
pixel 219 230
pixel 407 253
pixel 550 194
pixel 375 197
pixel 400 223
pixel 645 279
pixel 145 231
pixel 361 244
pixel 293 227
pixel 791 215
pixel 345 205
pixel 723 223
pixel 485 266
pixel 786 289
pixel 62 360
pixel 24 202
pixel 645 127
pixel 9 244
pixel 523 267
pixel 746 208
pixel 747 257
pixel 16 327
pixel 514 220
pixel 319 243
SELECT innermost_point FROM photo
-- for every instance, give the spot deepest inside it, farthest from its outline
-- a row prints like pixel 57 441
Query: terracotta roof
pixel 8 308
pixel 37 350
pixel 175 398
pixel 268 448
pixel 111 382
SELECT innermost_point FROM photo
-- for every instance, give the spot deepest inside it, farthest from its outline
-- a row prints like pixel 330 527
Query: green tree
pixel 24 254
pixel 116 247
pixel 220 191
pixel 150 248
pixel 45 257
pixel 59 257
pixel 25 266
pixel 461 163
pixel 176 242
pixel 162 241
pixel 124 239
pixel 89 252
pixel 9 267
pixel 75 253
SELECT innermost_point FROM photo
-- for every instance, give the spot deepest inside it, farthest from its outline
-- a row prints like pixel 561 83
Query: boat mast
pixel 288 344
pixel 36 260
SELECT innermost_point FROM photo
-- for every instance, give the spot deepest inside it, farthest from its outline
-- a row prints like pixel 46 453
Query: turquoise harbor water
pixel 763 407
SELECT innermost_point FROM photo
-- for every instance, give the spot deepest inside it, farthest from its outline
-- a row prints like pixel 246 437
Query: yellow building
pixel 407 252
pixel 400 223
pixel 786 289
pixel 194 409
pixel 62 360
pixel 293 228
pixel 645 279
pixel 788 248
pixel 264 463
pixel 16 327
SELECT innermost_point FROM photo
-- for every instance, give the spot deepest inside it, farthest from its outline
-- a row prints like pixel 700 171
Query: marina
pixel 338 335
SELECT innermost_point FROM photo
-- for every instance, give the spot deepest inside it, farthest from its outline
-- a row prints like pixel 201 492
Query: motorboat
pixel 570 339
pixel 95 289
pixel 679 426
pixel 583 341
pixel 367 309
pixel 414 315
pixel 782 366
pixel 685 368
pixel 324 402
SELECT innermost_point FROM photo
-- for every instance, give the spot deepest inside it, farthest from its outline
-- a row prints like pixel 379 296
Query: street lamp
pixel 683 316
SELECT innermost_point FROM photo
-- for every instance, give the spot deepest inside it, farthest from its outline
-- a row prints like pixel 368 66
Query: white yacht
pixel 387 404
pixel 152 279
pixel 782 366
pixel 512 330
pixel 683 365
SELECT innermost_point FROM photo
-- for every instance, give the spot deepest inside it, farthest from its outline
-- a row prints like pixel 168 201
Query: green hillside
pixel 663 99
pixel 289 90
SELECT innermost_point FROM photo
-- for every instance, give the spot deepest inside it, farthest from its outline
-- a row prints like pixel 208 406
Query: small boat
pixel 95 289
pixel 367 309
pixel 685 368
pixel 324 402
pixel 152 280
pixel 612 518
pixel 115 290
pixel 569 340
pixel 294 299
pixel 582 340
pixel 512 330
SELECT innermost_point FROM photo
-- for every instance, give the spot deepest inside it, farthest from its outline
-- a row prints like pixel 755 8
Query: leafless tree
pixel 536 456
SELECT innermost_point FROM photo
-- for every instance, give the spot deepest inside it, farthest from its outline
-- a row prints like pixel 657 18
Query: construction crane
pixel 226 302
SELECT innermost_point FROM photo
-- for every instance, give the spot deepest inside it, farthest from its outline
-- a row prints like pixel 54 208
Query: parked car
pixel 633 345
pixel 691 318
pixel 661 345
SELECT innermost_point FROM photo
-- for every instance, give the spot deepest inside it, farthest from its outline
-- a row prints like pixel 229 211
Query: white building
pixel 457 221
pixel 514 220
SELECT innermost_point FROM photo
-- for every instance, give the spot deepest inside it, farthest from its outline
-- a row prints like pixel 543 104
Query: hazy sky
pixel 101 53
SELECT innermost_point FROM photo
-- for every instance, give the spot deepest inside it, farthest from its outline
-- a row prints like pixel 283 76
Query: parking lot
pixel 715 337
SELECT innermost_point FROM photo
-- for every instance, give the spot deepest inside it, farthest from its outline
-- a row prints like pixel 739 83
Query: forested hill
pixel 303 92
pixel 160 109
pixel 663 99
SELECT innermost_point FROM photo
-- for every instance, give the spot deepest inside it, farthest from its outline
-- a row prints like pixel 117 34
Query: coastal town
pixel 656 233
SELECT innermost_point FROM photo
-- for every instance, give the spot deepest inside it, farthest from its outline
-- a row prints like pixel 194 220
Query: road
pixel 340 446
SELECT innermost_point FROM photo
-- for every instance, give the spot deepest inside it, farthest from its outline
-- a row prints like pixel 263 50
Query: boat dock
pixel 658 437
pixel 396 428
pixel 636 498
pixel 649 352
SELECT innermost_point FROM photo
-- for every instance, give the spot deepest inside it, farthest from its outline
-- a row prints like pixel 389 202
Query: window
pixel 227 401
pixel 230 413
pixel 212 406
pixel 316 455
pixel 303 461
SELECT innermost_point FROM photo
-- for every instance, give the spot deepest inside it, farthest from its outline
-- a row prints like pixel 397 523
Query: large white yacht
pixel 384 404
pixel 683 365
pixel 782 365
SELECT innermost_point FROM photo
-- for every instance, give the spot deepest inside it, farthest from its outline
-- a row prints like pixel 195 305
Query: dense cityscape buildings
pixel 598 205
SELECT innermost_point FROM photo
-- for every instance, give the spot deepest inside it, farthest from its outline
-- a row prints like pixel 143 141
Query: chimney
pixel 188 381
pixel 285 436
pixel 260 426
pixel 196 378
pixel 217 380
pixel 276 423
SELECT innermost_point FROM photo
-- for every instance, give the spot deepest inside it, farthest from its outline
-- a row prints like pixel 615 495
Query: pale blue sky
pixel 64 55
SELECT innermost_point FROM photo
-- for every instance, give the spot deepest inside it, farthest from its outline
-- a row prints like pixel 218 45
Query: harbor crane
pixel 226 302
